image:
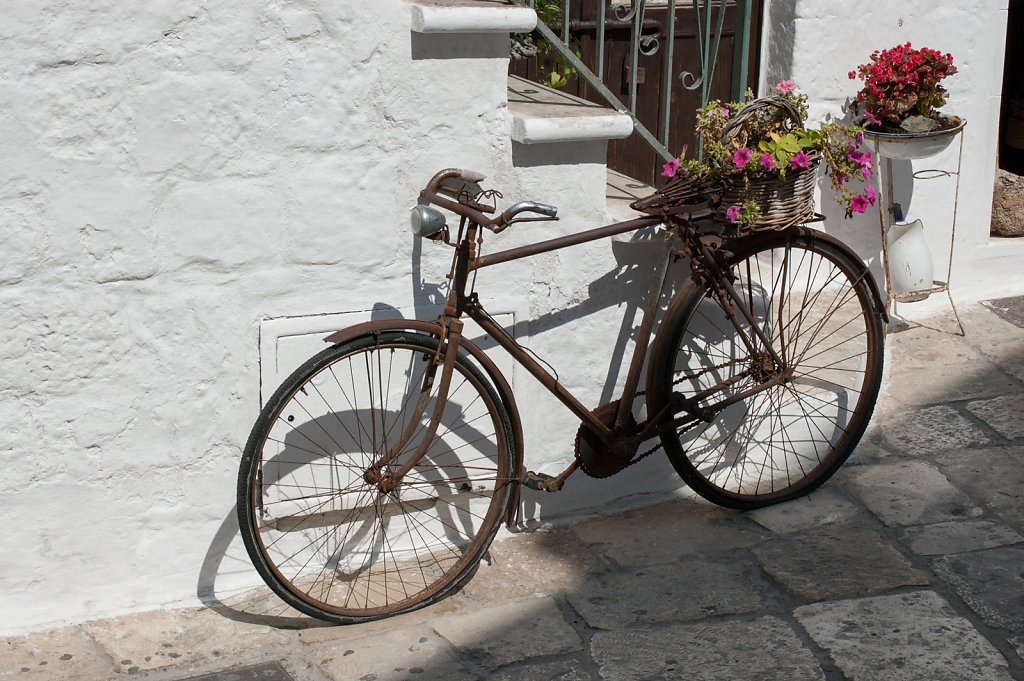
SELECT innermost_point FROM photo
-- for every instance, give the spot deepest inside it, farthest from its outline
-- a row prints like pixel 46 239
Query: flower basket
pixel 781 202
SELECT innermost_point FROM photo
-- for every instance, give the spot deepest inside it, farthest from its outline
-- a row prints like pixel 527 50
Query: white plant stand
pixel 885 151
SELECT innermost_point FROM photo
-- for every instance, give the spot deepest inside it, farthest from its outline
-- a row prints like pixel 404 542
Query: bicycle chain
pixel 685 377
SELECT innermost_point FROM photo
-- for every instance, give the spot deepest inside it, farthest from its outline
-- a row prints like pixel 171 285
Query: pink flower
pixel 741 157
pixel 766 161
pixel 859 139
pixel 733 213
pixel 861 158
pixel 800 160
pixel 725 112
pixel 859 203
pixel 785 86
pixel 871 118
pixel 866 172
pixel 869 192
pixel 670 168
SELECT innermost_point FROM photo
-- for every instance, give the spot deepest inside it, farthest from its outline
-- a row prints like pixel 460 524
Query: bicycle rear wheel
pixel 320 532
pixel 814 304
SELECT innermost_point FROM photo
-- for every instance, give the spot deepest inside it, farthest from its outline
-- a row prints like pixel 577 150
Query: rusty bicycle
pixel 379 472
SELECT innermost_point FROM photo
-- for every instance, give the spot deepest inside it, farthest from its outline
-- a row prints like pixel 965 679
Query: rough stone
pixel 408 654
pixel 688 590
pixel 992 476
pixel 563 670
pixel 908 493
pixel 991 583
pixel 195 637
pixel 958 536
pixel 666 533
pixel 765 648
pixel 836 561
pixel 822 507
pixel 1008 204
pixel 1005 414
pixel 59 654
pixel 510 632
pixel 917 432
pixel 904 637
pixel 552 562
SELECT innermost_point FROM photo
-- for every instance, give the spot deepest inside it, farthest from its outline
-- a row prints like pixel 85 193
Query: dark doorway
pixel 1011 117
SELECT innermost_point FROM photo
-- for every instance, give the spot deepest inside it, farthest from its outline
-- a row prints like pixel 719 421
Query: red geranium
pixel 902 81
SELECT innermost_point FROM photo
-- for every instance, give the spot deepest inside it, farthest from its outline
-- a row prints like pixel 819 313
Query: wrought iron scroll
pixel 709 31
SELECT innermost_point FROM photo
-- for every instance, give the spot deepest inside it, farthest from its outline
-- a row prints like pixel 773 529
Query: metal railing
pixel 709 20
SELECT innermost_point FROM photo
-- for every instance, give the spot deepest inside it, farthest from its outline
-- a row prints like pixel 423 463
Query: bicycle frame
pixel 467 261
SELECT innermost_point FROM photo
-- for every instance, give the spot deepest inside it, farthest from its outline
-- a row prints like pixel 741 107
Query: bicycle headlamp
pixel 426 221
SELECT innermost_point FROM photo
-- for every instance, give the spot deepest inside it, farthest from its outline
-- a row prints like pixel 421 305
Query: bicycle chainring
pixel 594 458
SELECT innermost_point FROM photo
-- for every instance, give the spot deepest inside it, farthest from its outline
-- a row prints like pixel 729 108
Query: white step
pixel 543 115
pixel 470 16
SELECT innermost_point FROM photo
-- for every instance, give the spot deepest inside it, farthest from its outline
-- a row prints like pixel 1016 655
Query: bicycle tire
pixel 328 541
pixel 815 303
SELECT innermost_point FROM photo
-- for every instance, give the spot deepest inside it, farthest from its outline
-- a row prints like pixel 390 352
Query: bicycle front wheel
pixel 756 446
pixel 320 529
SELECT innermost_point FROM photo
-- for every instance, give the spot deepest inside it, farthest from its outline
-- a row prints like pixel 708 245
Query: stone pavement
pixel 909 564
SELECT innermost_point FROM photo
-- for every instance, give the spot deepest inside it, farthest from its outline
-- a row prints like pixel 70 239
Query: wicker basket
pixel 780 203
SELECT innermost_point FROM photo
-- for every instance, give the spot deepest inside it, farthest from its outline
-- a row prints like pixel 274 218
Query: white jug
pixel 910 261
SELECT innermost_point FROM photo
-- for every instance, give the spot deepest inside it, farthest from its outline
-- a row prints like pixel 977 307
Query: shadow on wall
pixel 781 38
pixel 226 568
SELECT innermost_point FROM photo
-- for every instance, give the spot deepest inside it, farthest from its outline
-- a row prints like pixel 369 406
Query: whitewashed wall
pixel 817 43
pixel 180 177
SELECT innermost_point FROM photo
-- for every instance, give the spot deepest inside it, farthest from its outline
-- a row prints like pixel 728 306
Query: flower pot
pixel 913 145
pixel 910 261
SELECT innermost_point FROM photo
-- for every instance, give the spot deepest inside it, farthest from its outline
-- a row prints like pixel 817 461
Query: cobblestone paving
pixel 907 565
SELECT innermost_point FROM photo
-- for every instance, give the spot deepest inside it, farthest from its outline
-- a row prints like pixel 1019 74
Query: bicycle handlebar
pixel 495 224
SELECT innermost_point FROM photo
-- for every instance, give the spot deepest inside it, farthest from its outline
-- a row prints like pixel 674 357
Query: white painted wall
pixel 175 174
pixel 818 43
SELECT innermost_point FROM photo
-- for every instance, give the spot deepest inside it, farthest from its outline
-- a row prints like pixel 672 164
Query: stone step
pixel 470 16
pixel 543 115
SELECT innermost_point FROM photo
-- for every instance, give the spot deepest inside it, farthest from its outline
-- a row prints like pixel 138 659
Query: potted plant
pixel 901 98
pixel 764 157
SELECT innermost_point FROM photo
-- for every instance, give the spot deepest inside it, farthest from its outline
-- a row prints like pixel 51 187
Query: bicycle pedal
pixel 538 481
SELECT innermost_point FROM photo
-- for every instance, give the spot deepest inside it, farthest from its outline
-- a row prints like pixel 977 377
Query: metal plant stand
pixel 886 218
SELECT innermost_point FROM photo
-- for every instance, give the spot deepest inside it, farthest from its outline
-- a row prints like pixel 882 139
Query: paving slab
pixel 836 561
pixel 677 592
pixel 902 637
pixel 908 493
pixel 197 638
pixel 991 583
pixel 410 654
pixel 1004 414
pixel 765 648
pixel 940 428
pixel 958 536
pixel 993 477
pixel 57 654
pixel 510 632
pixel 822 507
pixel 999 340
pixel 667 533
pixel 562 670
pixel 552 562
